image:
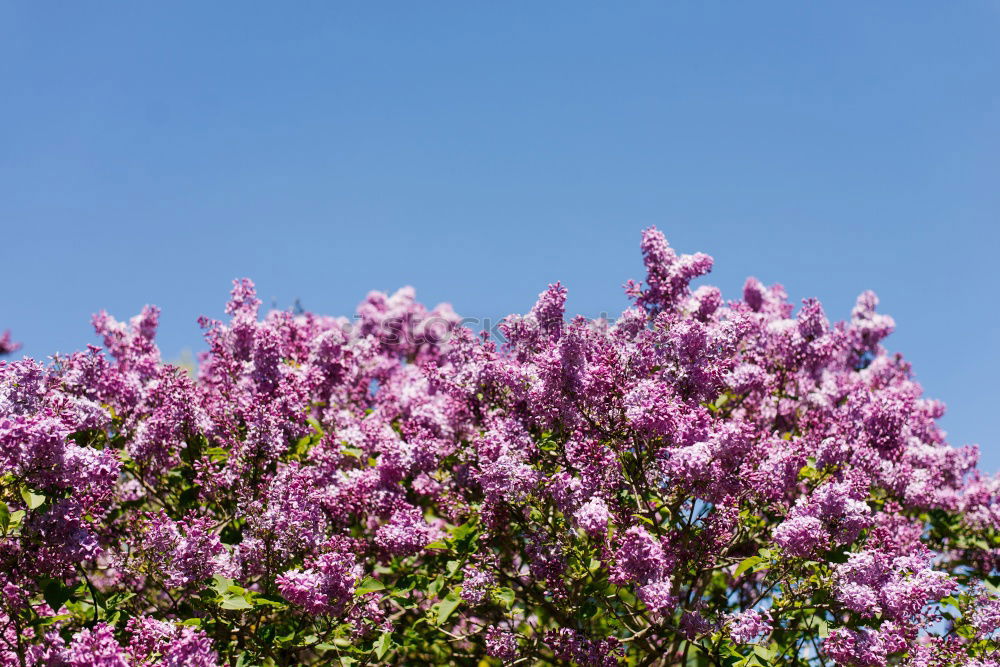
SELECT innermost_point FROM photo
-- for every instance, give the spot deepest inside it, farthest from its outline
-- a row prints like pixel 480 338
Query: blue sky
pixel 152 152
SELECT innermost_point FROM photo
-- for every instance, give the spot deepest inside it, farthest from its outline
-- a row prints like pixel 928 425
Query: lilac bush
pixel 698 482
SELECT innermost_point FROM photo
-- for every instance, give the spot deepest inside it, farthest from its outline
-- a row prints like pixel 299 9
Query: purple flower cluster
pixel 898 587
pixel 326 587
pixel 404 534
pixel 150 642
pixel 749 626
pixel 179 553
pixel 500 644
pixel 698 478
pixel 7 344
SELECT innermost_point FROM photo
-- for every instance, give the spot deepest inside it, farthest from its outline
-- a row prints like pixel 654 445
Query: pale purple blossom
pixel 501 643
pixel 749 626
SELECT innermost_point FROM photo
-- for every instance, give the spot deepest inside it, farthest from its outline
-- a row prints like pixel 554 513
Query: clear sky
pixel 150 152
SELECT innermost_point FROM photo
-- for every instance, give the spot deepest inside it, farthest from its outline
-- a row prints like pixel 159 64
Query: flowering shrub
pixel 698 482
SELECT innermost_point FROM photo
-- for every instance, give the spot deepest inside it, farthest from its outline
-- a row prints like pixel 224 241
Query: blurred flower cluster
pixel 698 482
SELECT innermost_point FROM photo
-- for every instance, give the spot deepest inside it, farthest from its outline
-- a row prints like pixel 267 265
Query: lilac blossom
pixel 501 644
pixel 749 626
pixel 405 534
pixel 397 487
pixel 326 586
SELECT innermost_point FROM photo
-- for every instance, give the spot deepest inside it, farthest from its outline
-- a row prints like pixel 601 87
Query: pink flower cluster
pixel 7 344
pixel 700 477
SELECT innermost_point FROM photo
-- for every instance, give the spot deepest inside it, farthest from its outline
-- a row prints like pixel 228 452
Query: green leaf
pixel 506 596
pixel 762 652
pixel 463 531
pixel 447 606
pixel 4 517
pixel 289 637
pixel 437 544
pixel 217 454
pixel 31 499
pixel 267 632
pixel 382 644
pixel 369 585
pixel 56 594
pixel 49 620
pixel 221 584
pixel 747 564
pixel 236 602
pixel 435 586
pixel 547 445
pixel 404 585
pixel 268 601
pixel 113 601
pixel 192 621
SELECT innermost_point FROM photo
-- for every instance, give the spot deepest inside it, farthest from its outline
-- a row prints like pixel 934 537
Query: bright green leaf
pixel 267 601
pixel 747 564
pixel 506 596
pixel 382 644
pixel 236 602
pixel 369 585
pixel 217 454
pixel 221 584
pixel 447 606
pixel 49 620
pixel 463 531
pixel 435 586
pixel 31 499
